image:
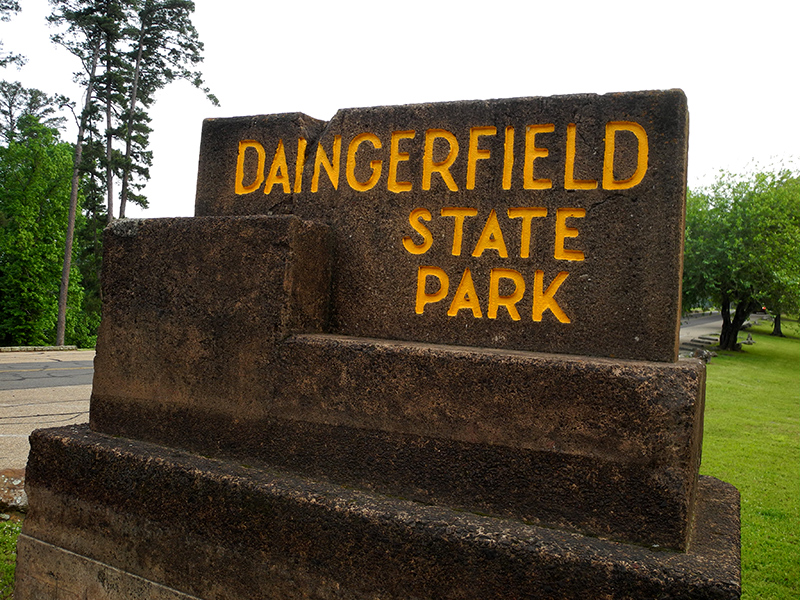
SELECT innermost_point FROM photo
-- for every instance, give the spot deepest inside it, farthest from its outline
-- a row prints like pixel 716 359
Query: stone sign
pixel 415 352
pixel 544 224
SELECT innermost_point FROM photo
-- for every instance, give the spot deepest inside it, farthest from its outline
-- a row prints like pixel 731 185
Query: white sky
pixel 736 61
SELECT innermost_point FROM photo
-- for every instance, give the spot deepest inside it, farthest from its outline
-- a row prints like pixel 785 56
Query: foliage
pixel 17 101
pixel 752 440
pixel 85 29
pixel 9 532
pixel 164 46
pixel 35 172
pixel 128 50
pixel 7 9
pixel 743 246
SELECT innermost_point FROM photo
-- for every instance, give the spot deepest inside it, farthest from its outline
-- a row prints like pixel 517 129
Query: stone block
pixel 603 447
pixel 193 307
pixel 129 515
pixel 543 224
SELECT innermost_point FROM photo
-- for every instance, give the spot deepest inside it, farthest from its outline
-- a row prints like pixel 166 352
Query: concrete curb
pixel 35 348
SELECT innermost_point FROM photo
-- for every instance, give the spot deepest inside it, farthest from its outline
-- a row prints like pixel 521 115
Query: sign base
pixel 123 518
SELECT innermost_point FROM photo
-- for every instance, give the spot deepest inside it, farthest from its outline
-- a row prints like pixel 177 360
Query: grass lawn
pixel 9 530
pixel 752 440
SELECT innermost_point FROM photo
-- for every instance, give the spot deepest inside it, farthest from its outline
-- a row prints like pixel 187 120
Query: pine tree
pixel 165 47
pixel 129 49
pixel 17 101
pixel 86 22
pixel 8 8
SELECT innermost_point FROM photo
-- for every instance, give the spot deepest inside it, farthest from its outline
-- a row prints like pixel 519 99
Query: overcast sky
pixel 736 61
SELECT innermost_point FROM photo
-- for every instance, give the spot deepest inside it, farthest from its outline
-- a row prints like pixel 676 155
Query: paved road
pixel 40 389
pixel 697 326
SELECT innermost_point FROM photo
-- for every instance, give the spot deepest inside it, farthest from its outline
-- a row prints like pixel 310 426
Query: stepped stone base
pixel 114 518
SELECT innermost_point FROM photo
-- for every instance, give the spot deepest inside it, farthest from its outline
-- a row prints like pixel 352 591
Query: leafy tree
pixel 742 247
pixel 6 7
pixel 17 101
pixel 779 237
pixel 35 172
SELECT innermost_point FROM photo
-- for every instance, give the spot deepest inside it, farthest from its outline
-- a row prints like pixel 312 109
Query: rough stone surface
pixel 215 301
pixel 604 447
pixel 622 299
pixel 193 307
pixel 213 529
pixel 218 139
pixel 49 571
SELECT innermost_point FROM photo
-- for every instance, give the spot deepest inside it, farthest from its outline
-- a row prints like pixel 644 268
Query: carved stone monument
pixel 421 351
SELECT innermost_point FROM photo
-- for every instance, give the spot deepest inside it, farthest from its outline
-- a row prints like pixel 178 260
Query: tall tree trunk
pixel 109 138
pixel 61 321
pixel 127 163
pixel 776 326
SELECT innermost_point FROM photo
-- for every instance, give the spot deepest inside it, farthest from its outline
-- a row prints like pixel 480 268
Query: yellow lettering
pixel 331 166
pixel 458 226
pixel 609 183
pixel 508 158
pixel 526 214
pixel 570 183
pixel 529 182
pixel 429 166
pixel 562 232
pixel 279 171
pixel 496 300
pixel 475 154
pixel 239 185
pixel 300 163
pixel 395 157
pixel 427 239
pixel 424 298
pixel 544 300
pixel 465 297
pixel 375 165
pixel 491 238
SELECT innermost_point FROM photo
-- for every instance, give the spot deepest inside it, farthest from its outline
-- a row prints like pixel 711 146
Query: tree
pixel 779 236
pixel 35 172
pixel 7 9
pixel 17 101
pixel 129 49
pixel 165 46
pixel 86 23
pixel 742 246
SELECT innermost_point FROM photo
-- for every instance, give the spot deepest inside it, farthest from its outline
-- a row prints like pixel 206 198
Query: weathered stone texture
pixel 193 307
pixel 251 534
pixel 622 299
pixel 188 359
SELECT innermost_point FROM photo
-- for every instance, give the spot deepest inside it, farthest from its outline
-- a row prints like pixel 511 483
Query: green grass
pixel 9 531
pixel 752 440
